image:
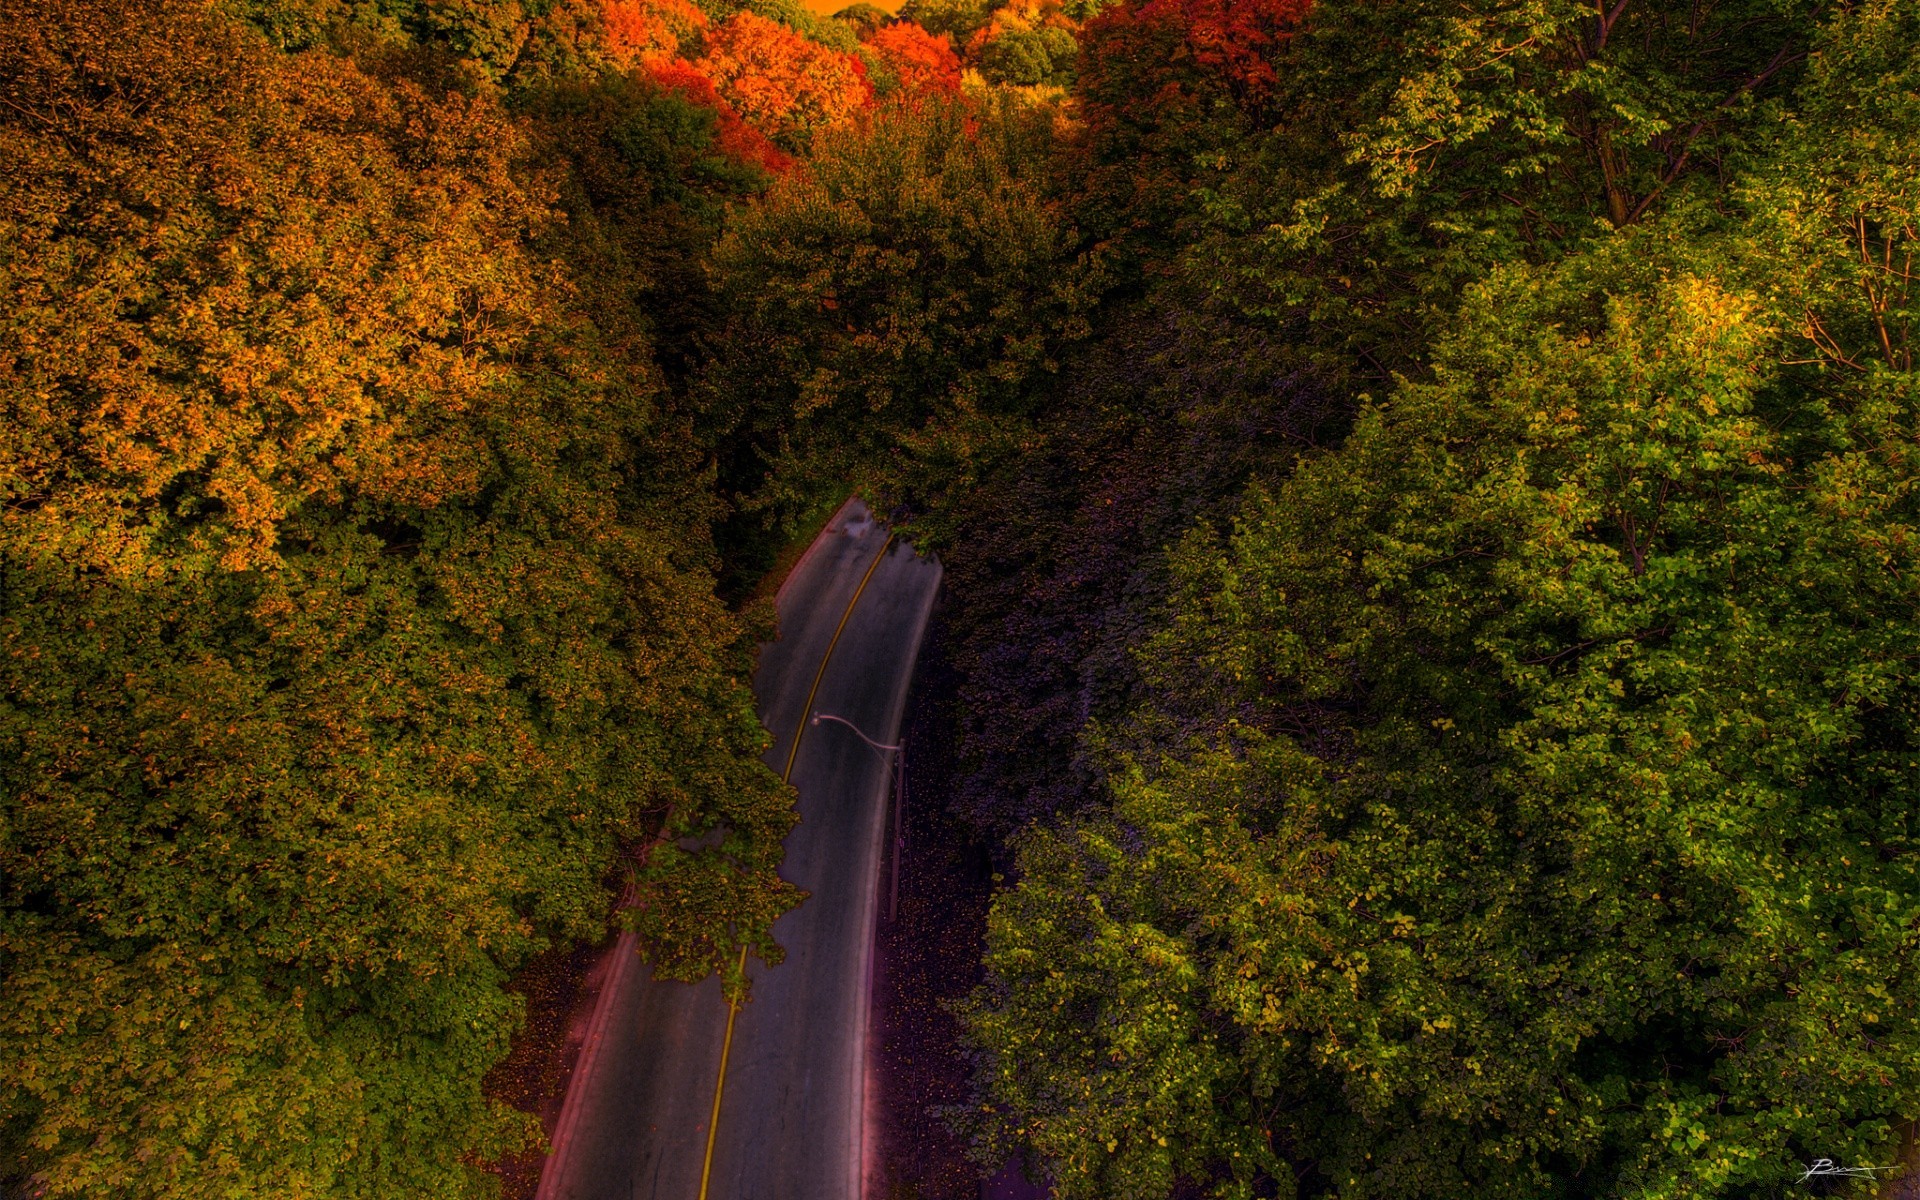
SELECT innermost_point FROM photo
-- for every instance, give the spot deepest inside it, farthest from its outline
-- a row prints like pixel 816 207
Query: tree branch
pixel 1672 173
pixel 1605 18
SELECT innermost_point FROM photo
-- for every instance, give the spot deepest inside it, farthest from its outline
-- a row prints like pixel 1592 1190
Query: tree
pixel 1027 57
pixel 1524 802
pixel 1172 93
pixel 1551 822
pixel 358 618
pixel 782 83
pixel 864 19
pixel 958 19
pixel 637 31
pixel 733 136
pixel 921 61
pixel 1415 146
pixel 889 307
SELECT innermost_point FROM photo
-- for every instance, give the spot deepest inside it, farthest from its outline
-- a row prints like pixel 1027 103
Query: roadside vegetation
pixel 1429 499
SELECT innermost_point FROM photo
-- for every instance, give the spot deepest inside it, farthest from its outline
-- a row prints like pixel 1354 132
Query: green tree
pixel 1533 801
pixel 958 19
pixel 1026 57
pixel 863 18
pixel 1415 145
pixel 1549 833
pixel 891 307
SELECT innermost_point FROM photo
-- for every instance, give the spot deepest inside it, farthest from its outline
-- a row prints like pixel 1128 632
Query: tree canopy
pixel 1515 798
pixel 1427 493
pixel 358 614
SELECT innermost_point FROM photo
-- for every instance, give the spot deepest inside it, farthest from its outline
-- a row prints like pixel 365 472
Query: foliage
pixel 1053 560
pixel 918 59
pixel 1425 143
pixel 779 81
pixel 648 163
pixel 640 30
pixel 740 142
pixel 1570 832
pixel 1426 490
pixel 357 612
pixel 773 56
pixel 958 19
pixel 1172 92
pixel 1835 196
pixel 1026 57
pixel 902 292
pixel 1525 802
pixel 863 18
pixel 823 31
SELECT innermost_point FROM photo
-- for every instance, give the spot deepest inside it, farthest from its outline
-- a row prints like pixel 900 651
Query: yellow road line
pixel 813 691
pixel 786 774
pixel 713 1119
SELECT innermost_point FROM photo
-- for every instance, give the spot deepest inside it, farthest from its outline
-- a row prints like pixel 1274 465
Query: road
pixel 791 1125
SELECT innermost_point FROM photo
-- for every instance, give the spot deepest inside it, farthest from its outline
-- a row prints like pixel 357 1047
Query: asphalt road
pixel 791 1123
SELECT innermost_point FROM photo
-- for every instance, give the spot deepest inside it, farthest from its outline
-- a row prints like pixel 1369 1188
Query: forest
pixel 1427 490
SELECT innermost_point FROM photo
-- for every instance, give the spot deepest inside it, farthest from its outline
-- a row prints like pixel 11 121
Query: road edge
pixel 799 564
pixel 626 954
pixel 869 953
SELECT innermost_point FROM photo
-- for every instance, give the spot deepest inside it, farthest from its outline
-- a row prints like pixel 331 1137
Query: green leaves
pixel 896 300
pixel 1553 843
pixel 1098 1023
pixel 1417 146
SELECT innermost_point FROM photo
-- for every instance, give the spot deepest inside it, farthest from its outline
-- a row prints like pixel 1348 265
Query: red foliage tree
pixel 781 82
pixel 1237 39
pixel 734 136
pixel 1194 45
pixel 924 62
pixel 1153 75
pixel 638 30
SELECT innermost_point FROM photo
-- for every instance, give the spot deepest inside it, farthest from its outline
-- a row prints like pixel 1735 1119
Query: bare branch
pixel 1605 19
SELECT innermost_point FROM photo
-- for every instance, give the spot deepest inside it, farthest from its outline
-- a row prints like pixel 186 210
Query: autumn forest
pixel 1429 493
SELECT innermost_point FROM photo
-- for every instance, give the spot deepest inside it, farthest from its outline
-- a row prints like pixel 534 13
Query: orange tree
pixel 921 61
pixel 786 85
pixel 654 29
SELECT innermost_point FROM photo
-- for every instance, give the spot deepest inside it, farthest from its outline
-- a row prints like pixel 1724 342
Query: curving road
pixel 635 1125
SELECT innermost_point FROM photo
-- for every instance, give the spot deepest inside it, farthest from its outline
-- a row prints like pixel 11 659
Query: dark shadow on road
pixel 929 956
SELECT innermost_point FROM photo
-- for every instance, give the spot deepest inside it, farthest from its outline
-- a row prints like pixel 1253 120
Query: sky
pixel 827 8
